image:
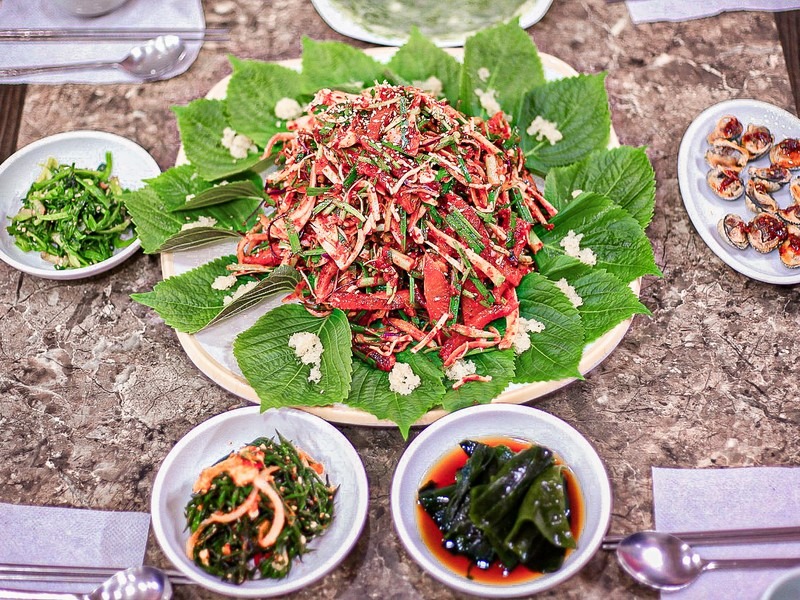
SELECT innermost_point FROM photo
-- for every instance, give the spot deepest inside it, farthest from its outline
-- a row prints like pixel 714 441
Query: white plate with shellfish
pixel 739 177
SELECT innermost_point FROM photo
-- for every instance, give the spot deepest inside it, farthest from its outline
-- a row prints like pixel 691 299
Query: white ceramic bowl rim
pixel 475 422
pixel 145 166
pixel 244 426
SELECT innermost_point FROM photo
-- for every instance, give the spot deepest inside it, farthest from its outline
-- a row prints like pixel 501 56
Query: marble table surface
pixel 96 389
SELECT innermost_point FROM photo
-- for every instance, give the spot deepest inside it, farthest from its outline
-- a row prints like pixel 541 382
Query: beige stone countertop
pixel 96 389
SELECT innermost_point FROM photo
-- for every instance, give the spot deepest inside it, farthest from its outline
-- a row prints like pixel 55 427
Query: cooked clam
pixel 725 183
pixel 756 139
pixel 789 250
pixel 766 232
pixel 786 153
pixel 733 230
pixel 727 155
pixel 727 128
pixel 758 198
pixel 773 173
pixel 794 190
pixel 790 214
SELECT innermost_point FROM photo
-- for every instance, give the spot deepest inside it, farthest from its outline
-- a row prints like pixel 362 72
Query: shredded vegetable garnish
pixel 409 216
pixel 73 217
pixel 255 511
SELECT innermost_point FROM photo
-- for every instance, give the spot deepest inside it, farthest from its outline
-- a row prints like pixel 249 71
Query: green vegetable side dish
pixel 73 217
pixel 432 17
pixel 255 511
pixel 604 200
pixel 506 508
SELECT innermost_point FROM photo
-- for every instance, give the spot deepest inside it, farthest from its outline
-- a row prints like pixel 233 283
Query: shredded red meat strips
pixel 409 216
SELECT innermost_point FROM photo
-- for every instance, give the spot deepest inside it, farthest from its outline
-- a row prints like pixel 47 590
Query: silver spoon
pixel 147 61
pixel 137 583
pixel 665 562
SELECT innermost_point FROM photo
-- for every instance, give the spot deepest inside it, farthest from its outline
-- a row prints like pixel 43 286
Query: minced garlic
pixel 542 128
pixel 402 379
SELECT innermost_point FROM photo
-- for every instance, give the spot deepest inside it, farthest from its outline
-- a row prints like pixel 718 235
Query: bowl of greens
pixel 259 504
pixel 62 209
pixel 501 500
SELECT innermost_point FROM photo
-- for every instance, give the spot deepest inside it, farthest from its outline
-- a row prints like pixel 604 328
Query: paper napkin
pixel 42 535
pixel 708 499
pixel 646 11
pixel 30 14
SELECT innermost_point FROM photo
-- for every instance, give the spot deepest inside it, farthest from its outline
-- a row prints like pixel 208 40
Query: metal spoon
pixel 137 583
pixel 147 61
pixel 665 562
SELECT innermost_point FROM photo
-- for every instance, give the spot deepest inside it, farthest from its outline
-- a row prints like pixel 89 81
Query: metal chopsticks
pixel 723 536
pixel 68 574
pixel 86 34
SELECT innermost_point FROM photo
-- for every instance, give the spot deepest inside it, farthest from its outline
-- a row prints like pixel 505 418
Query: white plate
pixel 706 209
pixel 519 422
pixel 211 349
pixel 86 149
pixel 529 13
pixel 218 437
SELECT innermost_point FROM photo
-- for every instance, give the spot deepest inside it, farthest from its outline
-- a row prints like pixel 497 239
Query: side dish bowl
pixel 215 439
pixel 86 149
pixel 506 421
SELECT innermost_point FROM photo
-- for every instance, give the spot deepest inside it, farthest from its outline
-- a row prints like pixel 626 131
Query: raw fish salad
pixel 393 207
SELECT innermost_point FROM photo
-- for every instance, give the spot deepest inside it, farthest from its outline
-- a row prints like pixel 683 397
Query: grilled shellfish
pixel 758 199
pixel 794 190
pixel 727 155
pixel 756 139
pixel 789 250
pixel 727 128
pixel 766 232
pixel 725 183
pixel 733 230
pixel 786 153
pixel 773 173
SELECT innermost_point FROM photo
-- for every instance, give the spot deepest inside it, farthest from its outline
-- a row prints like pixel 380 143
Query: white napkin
pixel 740 498
pixel 43 535
pixel 647 11
pixel 28 14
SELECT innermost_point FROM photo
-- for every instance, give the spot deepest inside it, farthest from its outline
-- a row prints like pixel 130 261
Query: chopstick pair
pixel 723 537
pixel 111 34
pixel 68 574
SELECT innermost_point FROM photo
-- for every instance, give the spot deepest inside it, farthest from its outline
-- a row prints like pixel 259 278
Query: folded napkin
pixel 647 11
pixel 43 14
pixel 42 535
pixel 740 498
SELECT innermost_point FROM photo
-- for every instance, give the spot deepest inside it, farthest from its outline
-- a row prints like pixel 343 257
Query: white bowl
pixel 785 587
pixel 342 21
pixel 86 149
pixel 509 421
pixel 218 437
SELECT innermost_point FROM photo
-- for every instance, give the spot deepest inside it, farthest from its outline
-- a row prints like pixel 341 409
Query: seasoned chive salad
pixel 505 508
pixel 399 205
pixel 73 217
pixel 252 513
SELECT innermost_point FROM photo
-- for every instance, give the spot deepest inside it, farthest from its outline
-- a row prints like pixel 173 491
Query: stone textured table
pixel 96 389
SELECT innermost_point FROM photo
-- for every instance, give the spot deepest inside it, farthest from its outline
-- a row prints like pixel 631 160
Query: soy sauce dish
pixel 547 454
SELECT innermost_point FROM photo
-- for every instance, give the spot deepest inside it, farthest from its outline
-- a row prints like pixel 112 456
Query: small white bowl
pixel 509 421
pixel 86 149
pixel 218 437
pixel 785 587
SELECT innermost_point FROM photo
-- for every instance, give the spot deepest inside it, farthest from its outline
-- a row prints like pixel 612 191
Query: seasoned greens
pixel 73 217
pixel 252 513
